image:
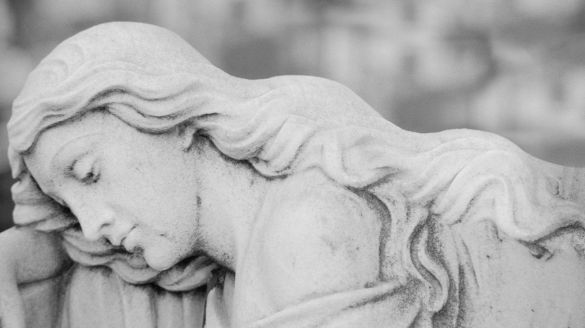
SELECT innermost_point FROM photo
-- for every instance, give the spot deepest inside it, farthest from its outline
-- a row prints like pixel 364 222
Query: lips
pixel 122 241
pixel 129 241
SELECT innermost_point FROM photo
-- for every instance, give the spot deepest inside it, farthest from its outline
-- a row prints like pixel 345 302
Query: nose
pixel 93 220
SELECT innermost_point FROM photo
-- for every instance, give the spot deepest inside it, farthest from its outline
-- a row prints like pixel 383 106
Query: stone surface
pixel 155 190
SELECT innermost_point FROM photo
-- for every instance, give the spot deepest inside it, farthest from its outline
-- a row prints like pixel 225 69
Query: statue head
pixel 118 83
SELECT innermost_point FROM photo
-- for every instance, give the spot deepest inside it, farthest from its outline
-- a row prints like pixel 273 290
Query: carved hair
pixel 285 125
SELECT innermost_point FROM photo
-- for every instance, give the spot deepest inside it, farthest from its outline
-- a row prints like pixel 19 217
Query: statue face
pixel 134 189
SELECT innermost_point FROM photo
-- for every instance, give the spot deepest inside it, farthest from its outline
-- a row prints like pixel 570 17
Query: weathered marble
pixel 155 190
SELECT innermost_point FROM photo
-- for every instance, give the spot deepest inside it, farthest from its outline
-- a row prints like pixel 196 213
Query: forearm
pixel 31 255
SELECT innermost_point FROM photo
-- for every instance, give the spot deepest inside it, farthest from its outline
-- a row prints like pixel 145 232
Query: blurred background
pixel 514 67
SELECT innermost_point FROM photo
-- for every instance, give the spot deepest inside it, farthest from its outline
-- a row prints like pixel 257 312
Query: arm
pixel 32 255
pixel 320 265
pixel 26 256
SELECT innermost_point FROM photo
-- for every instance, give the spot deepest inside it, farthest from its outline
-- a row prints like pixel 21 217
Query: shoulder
pixel 317 205
pixel 320 238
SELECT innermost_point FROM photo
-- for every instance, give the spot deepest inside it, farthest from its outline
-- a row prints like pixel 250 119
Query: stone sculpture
pixel 155 190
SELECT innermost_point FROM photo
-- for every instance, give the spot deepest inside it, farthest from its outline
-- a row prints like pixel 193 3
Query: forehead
pixel 54 138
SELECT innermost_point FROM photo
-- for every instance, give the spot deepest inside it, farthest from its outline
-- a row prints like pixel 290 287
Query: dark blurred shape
pixel 6 204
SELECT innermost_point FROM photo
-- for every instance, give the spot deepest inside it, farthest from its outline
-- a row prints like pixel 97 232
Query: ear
pixel 187 135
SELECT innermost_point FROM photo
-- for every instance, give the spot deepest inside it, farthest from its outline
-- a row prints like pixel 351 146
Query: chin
pixel 161 260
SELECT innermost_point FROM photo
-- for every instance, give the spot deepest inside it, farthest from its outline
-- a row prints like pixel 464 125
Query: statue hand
pixel 11 303
pixel 26 256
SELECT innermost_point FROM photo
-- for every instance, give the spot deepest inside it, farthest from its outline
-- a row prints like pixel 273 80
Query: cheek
pixel 169 205
pixel 160 189
pixel 163 198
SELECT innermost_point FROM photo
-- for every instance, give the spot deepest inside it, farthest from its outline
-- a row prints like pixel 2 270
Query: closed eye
pixel 90 178
pixel 85 170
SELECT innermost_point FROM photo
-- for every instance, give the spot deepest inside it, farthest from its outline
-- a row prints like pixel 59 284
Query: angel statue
pixel 155 190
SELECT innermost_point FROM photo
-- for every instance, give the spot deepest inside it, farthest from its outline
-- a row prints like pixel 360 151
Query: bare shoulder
pixel 322 238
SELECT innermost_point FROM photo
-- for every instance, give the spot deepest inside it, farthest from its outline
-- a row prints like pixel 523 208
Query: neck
pixel 231 194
